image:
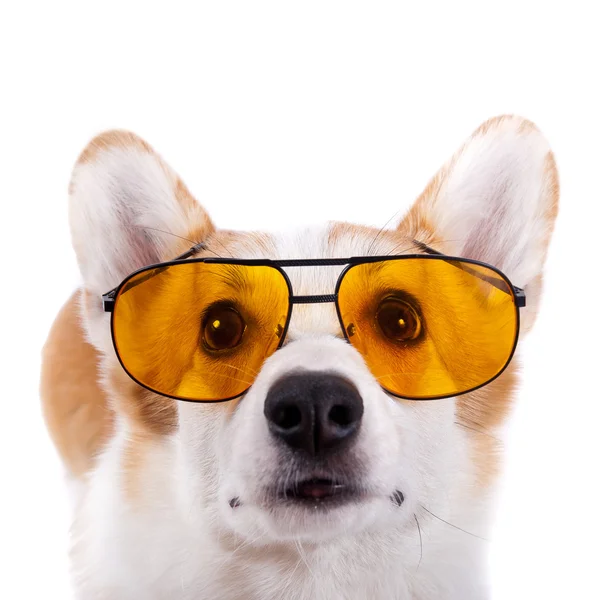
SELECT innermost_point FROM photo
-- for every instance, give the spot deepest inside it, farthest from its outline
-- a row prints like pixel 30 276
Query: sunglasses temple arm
pixel 108 299
pixel 501 284
pixel 520 296
pixel 518 293
pixel 193 250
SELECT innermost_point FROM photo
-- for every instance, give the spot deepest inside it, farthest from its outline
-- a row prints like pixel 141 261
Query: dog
pixel 173 498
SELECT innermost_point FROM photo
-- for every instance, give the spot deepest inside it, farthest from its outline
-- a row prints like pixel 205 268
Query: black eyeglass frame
pixel 109 298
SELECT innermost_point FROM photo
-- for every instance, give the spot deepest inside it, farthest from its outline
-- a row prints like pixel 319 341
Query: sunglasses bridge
pixel 316 299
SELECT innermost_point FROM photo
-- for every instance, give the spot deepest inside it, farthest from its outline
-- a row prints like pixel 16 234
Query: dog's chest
pixel 141 560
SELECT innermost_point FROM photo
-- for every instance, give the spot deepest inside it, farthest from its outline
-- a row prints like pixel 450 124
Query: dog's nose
pixel 314 412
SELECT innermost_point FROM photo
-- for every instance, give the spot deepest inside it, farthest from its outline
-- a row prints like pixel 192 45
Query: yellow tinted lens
pixel 429 327
pixel 199 331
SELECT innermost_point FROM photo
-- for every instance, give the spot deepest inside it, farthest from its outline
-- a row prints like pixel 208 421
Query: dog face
pixel 315 449
pixel 316 483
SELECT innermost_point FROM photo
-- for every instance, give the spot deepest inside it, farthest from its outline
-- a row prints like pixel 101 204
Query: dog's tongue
pixel 318 489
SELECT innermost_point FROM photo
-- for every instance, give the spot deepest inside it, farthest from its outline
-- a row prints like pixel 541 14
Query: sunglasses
pixel 428 326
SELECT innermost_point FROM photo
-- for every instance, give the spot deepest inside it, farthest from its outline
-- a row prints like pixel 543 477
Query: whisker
pixel 420 541
pixel 211 250
pixel 302 555
pixel 248 371
pixel 417 244
pixel 401 373
pixel 454 526
pixel 476 430
pixel 412 246
pixel 240 547
pixel 232 378
pixel 381 230
pixel 221 245
pixel 284 487
pixel 180 237
pixel 290 583
pixel 169 233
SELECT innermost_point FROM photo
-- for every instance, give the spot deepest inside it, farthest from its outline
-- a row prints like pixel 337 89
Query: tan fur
pixel 415 224
pixel 110 139
pixel 379 242
pixel 551 173
pixel 107 140
pixel 146 412
pixel 202 226
pixel 238 244
pixel 480 413
pixel 75 408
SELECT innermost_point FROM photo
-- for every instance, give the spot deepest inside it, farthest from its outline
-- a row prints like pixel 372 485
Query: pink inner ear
pixel 492 239
pixel 141 252
pixel 131 245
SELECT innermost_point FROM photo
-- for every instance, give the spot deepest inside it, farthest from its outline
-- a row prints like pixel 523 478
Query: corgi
pixel 170 495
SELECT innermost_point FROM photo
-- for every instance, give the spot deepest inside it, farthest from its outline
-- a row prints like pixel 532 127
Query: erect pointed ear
pixel 127 209
pixel 495 201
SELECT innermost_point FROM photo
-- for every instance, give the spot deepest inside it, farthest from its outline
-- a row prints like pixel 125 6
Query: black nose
pixel 314 412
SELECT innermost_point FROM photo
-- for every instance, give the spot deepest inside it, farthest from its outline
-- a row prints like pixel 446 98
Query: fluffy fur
pixel 155 477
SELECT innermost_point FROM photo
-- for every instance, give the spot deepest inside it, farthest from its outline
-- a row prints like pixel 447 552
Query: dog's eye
pixel 223 328
pixel 398 320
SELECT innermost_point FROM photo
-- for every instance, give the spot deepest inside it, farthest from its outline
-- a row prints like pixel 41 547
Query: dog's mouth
pixel 315 490
pixel 318 492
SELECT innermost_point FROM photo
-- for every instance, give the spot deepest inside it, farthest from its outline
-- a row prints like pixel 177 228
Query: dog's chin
pixel 318 521
pixel 314 511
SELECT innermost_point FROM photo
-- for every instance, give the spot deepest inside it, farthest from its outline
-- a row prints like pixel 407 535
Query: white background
pixel 287 113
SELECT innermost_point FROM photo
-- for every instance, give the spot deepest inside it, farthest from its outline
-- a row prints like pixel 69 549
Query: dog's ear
pixel 127 209
pixel 496 201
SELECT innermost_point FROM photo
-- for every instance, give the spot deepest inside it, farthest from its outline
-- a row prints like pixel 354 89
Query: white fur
pixel 181 539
